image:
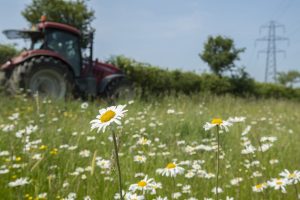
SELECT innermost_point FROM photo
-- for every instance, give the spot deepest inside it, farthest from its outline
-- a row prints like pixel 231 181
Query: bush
pixel 215 84
pixel 242 84
pixel 7 52
pixel 153 80
pixel 267 90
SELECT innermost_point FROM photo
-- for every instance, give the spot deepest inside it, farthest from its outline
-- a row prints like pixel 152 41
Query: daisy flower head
pixel 107 116
pixel 217 122
pixel 217 190
pixel 143 185
pixel 133 196
pixel 278 184
pixel 259 187
pixel 19 182
pixel 236 119
pixel 293 178
pixel 84 105
pixel 172 169
pixel 140 159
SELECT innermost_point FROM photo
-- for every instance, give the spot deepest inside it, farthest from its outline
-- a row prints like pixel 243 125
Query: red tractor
pixel 55 67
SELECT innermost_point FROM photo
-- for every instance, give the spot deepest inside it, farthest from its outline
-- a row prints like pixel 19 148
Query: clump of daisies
pixel 287 178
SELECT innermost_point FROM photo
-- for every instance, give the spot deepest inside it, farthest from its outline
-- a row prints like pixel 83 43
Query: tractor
pixel 57 66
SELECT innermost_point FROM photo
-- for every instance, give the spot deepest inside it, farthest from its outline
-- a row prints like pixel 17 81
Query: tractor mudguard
pixel 26 55
pixel 105 81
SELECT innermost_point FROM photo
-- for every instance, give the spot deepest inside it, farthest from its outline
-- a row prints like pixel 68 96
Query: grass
pixel 50 155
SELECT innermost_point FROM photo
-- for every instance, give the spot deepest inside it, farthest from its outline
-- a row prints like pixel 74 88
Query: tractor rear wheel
pixel 44 76
pixel 120 89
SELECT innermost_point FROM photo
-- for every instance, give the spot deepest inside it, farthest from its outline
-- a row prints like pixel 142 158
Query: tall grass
pixel 52 151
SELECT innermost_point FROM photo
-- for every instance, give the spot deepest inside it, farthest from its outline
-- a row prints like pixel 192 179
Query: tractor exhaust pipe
pixel 90 79
pixel 91 40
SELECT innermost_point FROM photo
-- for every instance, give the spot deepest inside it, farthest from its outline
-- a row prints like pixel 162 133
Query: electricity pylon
pixel 271 51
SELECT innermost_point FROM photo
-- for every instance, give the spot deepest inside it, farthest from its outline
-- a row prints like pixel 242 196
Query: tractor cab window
pixel 67 45
pixel 37 43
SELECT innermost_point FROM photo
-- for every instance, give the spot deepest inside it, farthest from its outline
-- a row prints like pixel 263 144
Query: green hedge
pixel 152 80
pixel 7 52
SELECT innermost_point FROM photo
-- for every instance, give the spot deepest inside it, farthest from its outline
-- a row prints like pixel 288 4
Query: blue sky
pixel 171 33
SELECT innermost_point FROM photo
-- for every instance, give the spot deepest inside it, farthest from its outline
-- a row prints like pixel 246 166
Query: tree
pixel 289 77
pixel 7 52
pixel 220 54
pixel 74 13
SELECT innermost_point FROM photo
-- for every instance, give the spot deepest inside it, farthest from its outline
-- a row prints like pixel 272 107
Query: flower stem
pixel 297 194
pixel 118 164
pixel 218 160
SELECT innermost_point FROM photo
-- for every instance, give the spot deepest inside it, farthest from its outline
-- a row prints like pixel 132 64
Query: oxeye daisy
pixel 84 105
pixel 259 187
pixel 143 185
pixel 107 116
pixel 293 178
pixel 217 122
pixel 236 119
pixel 278 184
pixel 217 190
pixel 139 159
pixel 19 182
pixel 171 169
pixel 130 196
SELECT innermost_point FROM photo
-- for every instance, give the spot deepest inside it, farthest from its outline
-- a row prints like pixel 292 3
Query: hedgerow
pixel 152 80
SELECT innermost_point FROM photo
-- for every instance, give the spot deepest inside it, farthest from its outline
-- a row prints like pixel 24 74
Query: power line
pixel 283 9
pixel 271 51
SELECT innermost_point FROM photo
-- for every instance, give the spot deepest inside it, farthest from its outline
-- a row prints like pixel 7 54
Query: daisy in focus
pixel 172 169
pixel 217 122
pixel 143 185
pixel 106 116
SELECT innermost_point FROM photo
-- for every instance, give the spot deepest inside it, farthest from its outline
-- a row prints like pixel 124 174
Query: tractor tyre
pixel 120 89
pixel 2 81
pixel 44 76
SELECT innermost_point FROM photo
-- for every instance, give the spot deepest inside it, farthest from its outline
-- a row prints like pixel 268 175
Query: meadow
pixel 48 150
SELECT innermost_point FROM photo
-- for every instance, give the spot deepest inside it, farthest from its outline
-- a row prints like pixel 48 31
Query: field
pixel 48 150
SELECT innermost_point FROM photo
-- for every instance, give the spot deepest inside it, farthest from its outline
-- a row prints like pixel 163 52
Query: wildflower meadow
pixel 185 147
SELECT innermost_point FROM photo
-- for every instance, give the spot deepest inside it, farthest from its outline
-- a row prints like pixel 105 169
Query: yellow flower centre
pixel 107 116
pixel 140 158
pixel 292 175
pixel 43 147
pixel 18 158
pixel 144 141
pixel 171 166
pixel 279 182
pixel 217 121
pixel 259 186
pixel 142 183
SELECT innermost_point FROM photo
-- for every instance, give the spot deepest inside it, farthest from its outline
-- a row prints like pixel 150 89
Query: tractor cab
pixel 65 44
pixel 56 37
